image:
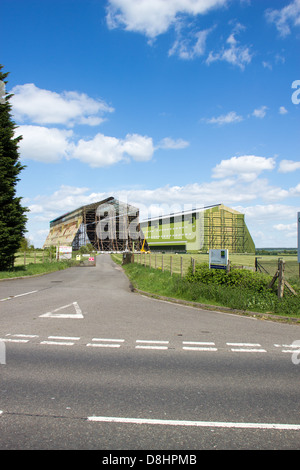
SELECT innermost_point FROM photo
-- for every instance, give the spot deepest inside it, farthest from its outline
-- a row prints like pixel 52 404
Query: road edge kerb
pixel 218 308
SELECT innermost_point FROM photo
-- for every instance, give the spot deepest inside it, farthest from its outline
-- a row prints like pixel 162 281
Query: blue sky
pixel 166 104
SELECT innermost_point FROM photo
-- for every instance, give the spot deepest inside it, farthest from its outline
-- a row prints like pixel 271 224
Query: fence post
pixel 181 270
pixel 280 278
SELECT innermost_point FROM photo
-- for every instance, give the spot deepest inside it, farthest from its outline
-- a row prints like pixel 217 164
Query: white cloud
pixel 139 147
pixel 190 46
pixel 154 17
pixel 233 53
pixel 264 213
pixel 287 166
pixel 104 150
pixel 295 192
pixel 286 227
pixel 246 167
pixel 287 17
pixel 283 110
pixel 51 144
pixel 260 112
pixel 43 144
pixel 228 118
pixel 43 107
pixel 168 143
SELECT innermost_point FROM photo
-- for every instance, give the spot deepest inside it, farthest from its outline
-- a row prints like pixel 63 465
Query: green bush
pixel 235 278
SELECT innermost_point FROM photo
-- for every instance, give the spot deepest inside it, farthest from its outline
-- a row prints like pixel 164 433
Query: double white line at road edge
pixel 203 424
pixel 151 344
pixel 246 347
pixel 62 340
pixel 106 343
pixel 198 346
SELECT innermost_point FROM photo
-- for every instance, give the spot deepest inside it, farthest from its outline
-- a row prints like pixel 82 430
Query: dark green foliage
pixel 235 278
pixel 12 214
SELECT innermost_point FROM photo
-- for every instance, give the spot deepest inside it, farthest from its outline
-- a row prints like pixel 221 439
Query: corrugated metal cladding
pixel 215 226
pixel 109 225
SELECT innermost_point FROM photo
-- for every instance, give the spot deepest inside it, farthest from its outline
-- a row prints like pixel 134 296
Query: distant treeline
pixel 276 251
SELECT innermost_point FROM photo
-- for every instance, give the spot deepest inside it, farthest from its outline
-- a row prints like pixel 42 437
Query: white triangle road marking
pixel 54 314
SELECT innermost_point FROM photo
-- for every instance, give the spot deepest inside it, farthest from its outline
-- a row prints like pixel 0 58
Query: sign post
pixel 63 252
pixel 218 259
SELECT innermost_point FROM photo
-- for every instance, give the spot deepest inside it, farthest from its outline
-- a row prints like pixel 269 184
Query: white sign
pixel 218 259
pixel 64 252
pixel 298 218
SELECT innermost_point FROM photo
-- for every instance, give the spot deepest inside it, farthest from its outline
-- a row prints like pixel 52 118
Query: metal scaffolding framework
pixel 109 225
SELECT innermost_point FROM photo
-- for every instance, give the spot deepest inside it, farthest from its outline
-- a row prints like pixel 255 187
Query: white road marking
pixel 22 336
pixel 189 348
pixel 109 339
pixel 151 344
pixel 70 338
pixel 246 347
pixel 206 424
pixel 151 341
pixel 11 340
pixel 295 348
pixel 103 345
pixel 57 343
pixel 106 343
pixel 77 315
pixel 199 346
pixel 18 295
pixel 65 340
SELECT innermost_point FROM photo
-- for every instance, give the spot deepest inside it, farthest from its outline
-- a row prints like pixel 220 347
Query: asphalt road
pixel 87 364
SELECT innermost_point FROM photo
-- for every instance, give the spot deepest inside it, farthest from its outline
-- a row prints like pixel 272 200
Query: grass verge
pixel 160 283
pixel 34 269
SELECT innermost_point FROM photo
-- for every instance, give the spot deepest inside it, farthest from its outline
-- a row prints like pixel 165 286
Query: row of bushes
pixel 239 289
pixel 235 278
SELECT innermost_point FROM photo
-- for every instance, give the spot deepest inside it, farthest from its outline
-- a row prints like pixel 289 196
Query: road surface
pixel 85 363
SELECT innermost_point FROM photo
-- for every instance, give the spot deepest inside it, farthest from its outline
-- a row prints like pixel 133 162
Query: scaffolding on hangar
pixel 109 225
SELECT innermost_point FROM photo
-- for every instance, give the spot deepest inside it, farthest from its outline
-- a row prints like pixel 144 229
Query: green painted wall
pixel 217 227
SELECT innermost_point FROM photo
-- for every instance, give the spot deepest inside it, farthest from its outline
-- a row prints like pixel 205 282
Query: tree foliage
pixel 12 213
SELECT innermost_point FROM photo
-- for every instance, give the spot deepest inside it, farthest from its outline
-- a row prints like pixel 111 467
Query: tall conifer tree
pixel 12 214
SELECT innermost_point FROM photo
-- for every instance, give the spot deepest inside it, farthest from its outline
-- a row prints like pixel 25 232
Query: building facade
pixel 109 225
pixel 199 230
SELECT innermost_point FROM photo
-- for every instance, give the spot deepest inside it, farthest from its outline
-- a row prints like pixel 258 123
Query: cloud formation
pixel 233 53
pixel 45 107
pixel 285 18
pixel 155 17
pixel 39 109
pixel 288 166
pixel 228 118
pixel 246 167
